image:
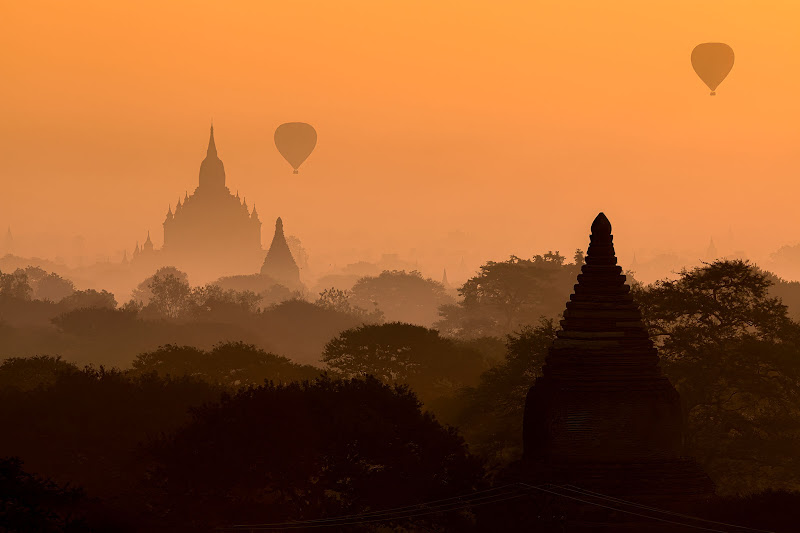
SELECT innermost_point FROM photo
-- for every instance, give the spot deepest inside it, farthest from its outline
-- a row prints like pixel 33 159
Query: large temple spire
pixel 212 146
pixel 212 171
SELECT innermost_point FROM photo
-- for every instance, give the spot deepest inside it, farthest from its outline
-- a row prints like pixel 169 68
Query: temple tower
pixel 211 232
pixel 279 263
pixel 603 416
pixel 147 247
pixel 212 171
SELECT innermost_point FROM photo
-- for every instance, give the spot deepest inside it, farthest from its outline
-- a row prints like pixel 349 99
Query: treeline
pixel 190 439
pixel 138 452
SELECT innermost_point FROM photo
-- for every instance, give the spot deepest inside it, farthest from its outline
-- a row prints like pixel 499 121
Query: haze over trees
pixel 511 294
pixel 396 352
pixel 401 296
pixel 333 381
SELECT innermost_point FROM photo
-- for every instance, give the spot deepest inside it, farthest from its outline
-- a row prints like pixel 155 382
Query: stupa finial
pixel 601 225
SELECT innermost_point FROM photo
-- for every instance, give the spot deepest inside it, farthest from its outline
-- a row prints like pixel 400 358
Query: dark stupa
pixel 603 416
pixel 279 263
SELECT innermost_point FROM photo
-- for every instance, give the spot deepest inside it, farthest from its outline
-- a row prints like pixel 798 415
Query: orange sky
pixel 512 122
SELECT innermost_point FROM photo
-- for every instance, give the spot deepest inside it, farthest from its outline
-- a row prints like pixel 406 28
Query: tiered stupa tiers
pixel 602 414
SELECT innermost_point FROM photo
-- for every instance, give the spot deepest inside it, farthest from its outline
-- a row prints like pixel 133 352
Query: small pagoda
pixel 603 416
pixel 279 263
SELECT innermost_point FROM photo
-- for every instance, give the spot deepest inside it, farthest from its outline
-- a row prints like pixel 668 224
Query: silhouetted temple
pixel 603 416
pixel 279 263
pixel 211 230
pixel 212 223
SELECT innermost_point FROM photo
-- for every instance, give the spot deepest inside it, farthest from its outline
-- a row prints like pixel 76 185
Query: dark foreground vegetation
pixel 194 436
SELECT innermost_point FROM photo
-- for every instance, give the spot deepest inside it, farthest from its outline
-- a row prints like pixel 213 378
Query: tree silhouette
pixel 229 364
pixel 48 286
pixel 15 285
pixel 84 427
pixel 508 295
pixel 401 296
pixel 340 301
pixel 144 292
pixel 28 373
pixel 171 297
pixel 89 298
pixel 212 301
pixel 30 503
pixel 405 353
pixel 490 413
pixel 304 451
pixel 734 355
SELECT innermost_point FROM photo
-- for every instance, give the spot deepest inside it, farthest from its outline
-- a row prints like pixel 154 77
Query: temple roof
pixel 602 334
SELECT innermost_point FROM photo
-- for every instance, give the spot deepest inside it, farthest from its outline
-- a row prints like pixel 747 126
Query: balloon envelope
pixel 295 141
pixel 712 62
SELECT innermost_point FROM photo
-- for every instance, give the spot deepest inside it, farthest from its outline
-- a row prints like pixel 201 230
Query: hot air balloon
pixel 295 141
pixel 712 62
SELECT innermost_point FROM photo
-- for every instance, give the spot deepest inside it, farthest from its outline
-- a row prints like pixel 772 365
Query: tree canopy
pixel 308 450
pixel 506 296
pixel 405 353
pixel 232 364
pixel 734 355
pixel 401 296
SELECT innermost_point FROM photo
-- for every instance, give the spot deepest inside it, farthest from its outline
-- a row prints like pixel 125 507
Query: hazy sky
pixel 512 122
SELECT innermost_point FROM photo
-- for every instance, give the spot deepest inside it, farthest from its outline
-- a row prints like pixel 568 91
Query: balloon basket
pixel 713 93
pixel 296 172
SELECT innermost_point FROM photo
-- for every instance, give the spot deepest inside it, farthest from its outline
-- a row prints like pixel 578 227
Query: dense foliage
pixel 432 365
pixel 305 451
pixel 734 355
pixel 401 296
pixel 506 296
pixel 195 435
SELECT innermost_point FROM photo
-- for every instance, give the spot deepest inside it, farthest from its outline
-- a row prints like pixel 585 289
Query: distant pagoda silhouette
pixel 603 416
pixel 279 263
pixel 8 243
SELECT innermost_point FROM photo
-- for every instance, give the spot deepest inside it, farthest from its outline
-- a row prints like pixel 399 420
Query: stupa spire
pixel 212 171
pixel 212 146
pixel 602 413
pixel 601 315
